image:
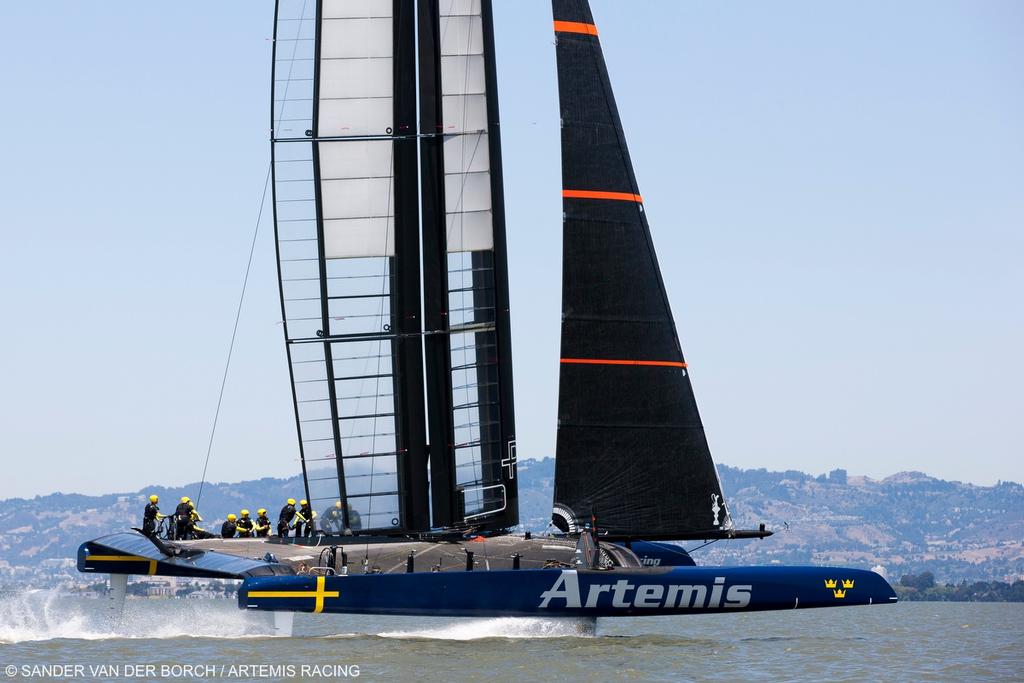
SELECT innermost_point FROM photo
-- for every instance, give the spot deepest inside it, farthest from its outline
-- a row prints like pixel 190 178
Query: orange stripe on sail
pixel 599 194
pixel 575 27
pixel 615 361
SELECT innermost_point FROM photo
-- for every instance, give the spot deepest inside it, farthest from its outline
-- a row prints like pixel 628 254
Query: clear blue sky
pixel 836 192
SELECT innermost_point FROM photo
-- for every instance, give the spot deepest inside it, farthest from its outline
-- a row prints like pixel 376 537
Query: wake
pixel 503 627
pixel 39 615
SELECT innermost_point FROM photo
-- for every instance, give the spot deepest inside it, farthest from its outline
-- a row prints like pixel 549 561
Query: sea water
pixel 47 637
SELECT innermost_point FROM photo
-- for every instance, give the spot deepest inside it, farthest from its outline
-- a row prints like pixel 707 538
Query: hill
pixel 908 523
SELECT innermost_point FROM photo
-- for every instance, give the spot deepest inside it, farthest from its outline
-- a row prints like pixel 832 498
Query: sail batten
pixel 631 452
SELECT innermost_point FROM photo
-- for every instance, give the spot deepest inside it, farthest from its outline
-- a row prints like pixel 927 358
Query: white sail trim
pixel 467 180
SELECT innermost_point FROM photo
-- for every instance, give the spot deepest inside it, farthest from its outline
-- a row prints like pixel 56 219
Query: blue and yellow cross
pixel 319 594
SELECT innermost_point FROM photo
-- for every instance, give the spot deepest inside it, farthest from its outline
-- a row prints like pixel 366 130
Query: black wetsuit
pixel 244 525
pixel 182 521
pixel 284 519
pixel 305 528
pixel 227 529
pixel 149 519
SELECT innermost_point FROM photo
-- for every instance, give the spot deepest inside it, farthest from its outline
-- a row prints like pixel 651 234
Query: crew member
pixel 262 527
pixel 305 516
pixel 284 520
pixel 151 516
pixel 194 530
pixel 228 528
pixel 182 519
pixel 333 521
pixel 354 523
pixel 244 525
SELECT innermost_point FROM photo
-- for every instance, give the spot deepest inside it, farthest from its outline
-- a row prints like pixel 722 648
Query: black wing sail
pixel 347 234
pixel 631 451
pixel 465 280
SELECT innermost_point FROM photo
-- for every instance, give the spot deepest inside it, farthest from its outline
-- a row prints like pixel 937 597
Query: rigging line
pixel 702 545
pixel 234 334
pixel 388 264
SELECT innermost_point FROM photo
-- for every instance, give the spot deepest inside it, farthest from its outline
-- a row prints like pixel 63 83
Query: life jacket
pixel 244 525
pixel 263 522
pixel 307 513
pixel 227 530
pixel 150 514
pixel 183 512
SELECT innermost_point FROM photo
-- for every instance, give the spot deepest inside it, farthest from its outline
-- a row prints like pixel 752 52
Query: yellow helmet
pixel 154 498
pixel 232 517
pixel 245 513
pixel 303 502
pixel 338 505
pixel 184 499
pixel 291 501
pixel 261 511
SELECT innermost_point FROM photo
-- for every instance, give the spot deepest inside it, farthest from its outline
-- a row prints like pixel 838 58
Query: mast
pixel 346 227
pixel 631 452
pixel 465 276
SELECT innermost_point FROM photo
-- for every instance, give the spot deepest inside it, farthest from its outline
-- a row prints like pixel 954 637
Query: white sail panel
pixel 356 70
pixel 358 237
pixel 467 181
pixel 464 113
pixel 355 9
pixel 465 192
pixel 356 38
pixel 463 75
pixel 466 153
pixel 354 79
pixel 453 8
pixel 357 198
pixel 367 116
pixel 470 231
pixel 356 159
pixel 461 34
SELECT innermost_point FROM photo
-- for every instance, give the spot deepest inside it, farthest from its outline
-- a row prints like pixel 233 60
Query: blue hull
pixel 559 592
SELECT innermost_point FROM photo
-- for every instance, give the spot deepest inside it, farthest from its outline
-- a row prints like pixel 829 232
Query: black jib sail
pixel 465 281
pixel 631 451
pixel 346 221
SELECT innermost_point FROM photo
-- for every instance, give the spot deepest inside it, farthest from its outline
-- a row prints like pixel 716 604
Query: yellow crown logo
pixel 830 583
pixel 847 583
pixel 839 593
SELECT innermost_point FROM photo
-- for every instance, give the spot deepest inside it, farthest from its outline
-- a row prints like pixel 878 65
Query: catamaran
pixel 391 252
